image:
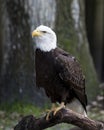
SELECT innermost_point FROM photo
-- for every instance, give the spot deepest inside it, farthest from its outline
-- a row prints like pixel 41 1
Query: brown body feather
pixel 60 75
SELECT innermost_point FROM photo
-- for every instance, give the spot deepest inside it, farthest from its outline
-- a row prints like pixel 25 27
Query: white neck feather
pixel 46 47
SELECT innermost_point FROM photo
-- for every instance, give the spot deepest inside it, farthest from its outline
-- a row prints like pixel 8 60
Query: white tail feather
pixel 76 106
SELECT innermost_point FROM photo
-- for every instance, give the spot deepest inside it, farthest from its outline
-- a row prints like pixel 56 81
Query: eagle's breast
pixel 45 69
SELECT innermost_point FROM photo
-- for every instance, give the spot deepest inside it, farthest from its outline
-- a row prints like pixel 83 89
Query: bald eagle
pixel 58 72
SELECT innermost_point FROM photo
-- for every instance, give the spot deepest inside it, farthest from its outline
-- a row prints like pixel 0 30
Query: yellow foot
pixel 54 109
pixel 59 108
pixel 49 111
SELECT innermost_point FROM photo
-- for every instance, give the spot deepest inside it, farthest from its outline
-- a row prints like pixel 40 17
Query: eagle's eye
pixel 44 31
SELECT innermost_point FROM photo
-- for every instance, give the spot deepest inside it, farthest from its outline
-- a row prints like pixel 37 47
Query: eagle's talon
pixel 59 108
pixel 47 116
pixel 50 111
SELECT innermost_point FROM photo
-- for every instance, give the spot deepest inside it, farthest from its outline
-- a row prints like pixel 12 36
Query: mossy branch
pixel 62 116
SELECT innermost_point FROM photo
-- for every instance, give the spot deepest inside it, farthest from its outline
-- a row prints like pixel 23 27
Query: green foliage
pixel 96 114
pixel 21 108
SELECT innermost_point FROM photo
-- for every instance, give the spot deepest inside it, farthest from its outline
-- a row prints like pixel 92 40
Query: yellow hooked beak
pixel 36 33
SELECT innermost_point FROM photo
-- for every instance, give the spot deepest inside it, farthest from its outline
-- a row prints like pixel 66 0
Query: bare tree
pixel 63 116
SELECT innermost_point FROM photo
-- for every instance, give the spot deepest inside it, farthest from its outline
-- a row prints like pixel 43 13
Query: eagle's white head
pixel 45 38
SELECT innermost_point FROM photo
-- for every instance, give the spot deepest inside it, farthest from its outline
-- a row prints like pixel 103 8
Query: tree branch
pixel 62 116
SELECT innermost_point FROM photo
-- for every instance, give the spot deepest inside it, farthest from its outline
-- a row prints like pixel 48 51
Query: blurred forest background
pixel 79 25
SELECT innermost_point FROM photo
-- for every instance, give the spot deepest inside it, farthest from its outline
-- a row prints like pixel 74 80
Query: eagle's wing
pixel 71 74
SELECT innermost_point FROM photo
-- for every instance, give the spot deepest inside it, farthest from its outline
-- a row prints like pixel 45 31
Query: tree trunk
pixel 95 32
pixel 1 34
pixel 17 81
